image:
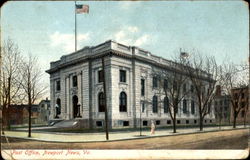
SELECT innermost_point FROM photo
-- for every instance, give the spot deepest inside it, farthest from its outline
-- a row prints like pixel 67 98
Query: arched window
pixel 184 106
pixel 123 102
pixel 192 107
pixel 101 101
pixel 166 105
pixel 58 102
pixel 58 107
pixel 155 104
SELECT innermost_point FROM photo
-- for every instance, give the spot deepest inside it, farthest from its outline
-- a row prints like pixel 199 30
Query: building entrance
pixel 75 107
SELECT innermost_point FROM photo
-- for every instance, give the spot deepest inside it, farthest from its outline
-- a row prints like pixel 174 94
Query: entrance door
pixel 75 107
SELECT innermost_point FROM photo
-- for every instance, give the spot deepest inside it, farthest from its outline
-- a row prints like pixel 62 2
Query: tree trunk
pixel 7 113
pixel 174 124
pixel 201 122
pixel 220 124
pixel 234 122
pixel 29 135
pixel 3 118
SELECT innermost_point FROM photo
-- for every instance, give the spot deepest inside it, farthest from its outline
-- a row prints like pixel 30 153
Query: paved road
pixel 230 139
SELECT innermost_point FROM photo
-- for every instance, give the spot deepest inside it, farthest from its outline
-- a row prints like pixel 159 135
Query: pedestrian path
pixel 98 137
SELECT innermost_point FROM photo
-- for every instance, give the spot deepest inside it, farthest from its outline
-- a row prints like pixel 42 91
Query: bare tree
pixel 31 83
pixel 203 73
pixel 10 74
pixel 235 82
pixel 173 85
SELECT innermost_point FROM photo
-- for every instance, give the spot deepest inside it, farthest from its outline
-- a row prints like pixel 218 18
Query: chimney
pixel 218 90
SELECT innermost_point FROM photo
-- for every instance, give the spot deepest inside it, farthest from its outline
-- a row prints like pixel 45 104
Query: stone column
pixel 68 96
pixel 79 90
pixel 52 97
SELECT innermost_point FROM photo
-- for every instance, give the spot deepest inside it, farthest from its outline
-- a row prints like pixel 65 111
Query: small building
pixel 241 99
pixel 44 111
pixel 19 114
pixel 222 107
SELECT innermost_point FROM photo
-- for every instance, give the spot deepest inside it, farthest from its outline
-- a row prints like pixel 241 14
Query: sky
pixel 46 28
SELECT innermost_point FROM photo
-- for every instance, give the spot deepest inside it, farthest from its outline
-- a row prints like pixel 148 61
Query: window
pixel 122 76
pixel 225 102
pixel 145 123
pixel 210 121
pixel 178 121
pixel 100 76
pixel 242 95
pixel 142 87
pixel 155 104
pixel 221 102
pixel 242 104
pixel 58 86
pixel 176 103
pixel 143 107
pixel 168 121
pixel 165 84
pixel 99 123
pixel 166 105
pixel 205 121
pixel 74 81
pixel 155 82
pixel 101 101
pixel 195 121
pixel 58 107
pixel 184 88
pixel 175 85
pixel 242 113
pixel 184 106
pixel 235 95
pixel 187 121
pixel 225 115
pixel 125 123
pixel 192 88
pixel 123 102
pixel 192 107
pixel 158 122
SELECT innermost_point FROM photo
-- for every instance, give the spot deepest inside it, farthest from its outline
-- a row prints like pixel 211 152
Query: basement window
pixel 99 123
pixel 168 121
pixel 158 122
pixel 178 121
pixel 125 123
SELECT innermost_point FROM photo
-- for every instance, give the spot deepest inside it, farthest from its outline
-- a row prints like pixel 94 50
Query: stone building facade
pixel 76 88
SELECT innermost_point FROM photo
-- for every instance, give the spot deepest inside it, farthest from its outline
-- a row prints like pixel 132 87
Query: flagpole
pixel 75 30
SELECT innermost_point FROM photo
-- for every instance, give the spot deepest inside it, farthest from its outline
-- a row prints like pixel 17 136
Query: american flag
pixel 81 8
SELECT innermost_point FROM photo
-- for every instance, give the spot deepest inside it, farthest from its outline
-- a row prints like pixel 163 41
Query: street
pixel 231 139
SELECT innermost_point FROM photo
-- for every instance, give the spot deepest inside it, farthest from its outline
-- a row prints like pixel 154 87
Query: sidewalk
pixel 99 137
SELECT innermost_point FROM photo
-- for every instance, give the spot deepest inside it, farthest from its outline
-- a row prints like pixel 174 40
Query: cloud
pixel 133 29
pixel 130 35
pixel 142 40
pixel 67 41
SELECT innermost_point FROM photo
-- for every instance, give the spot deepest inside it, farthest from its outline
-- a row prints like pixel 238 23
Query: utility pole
pixel 105 100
